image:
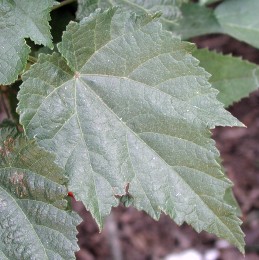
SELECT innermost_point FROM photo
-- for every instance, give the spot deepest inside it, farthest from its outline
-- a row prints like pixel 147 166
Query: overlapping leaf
pixel 233 77
pixel 127 111
pixel 240 19
pixel 21 19
pixel 196 20
pixel 33 220
pixel 169 8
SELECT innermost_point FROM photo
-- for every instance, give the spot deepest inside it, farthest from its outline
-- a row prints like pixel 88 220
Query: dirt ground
pixel 133 235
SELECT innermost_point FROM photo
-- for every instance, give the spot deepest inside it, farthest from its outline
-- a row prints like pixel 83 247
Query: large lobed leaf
pixel 233 77
pixel 21 19
pixel 127 111
pixel 34 223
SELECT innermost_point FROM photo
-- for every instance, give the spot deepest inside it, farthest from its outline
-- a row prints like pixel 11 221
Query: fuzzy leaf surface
pixel 233 77
pixel 34 223
pixel 20 19
pixel 127 111
pixel 240 19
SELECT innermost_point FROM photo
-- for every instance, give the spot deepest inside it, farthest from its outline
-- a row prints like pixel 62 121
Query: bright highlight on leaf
pixel 20 19
pixel 127 111
pixel 34 223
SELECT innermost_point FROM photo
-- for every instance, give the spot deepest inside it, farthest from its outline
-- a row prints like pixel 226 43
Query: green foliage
pixel 233 77
pixel 189 25
pixel 34 223
pixel 108 115
pixel 124 109
pixel 21 19
pixel 239 19
pixel 169 8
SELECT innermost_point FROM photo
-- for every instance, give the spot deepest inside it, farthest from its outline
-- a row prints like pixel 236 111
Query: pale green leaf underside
pixel 233 77
pixel 20 19
pixel 33 220
pixel 132 107
pixel 240 19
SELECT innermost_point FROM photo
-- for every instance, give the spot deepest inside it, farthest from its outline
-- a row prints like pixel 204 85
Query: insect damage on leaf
pixel 33 203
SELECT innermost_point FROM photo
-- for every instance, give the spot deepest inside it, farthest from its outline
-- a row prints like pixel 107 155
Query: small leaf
pixel 233 77
pixel 128 106
pixel 20 19
pixel 33 221
pixel 240 19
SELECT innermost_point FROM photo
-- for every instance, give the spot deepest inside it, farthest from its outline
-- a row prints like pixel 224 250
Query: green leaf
pixel 20 19
pixel 239 19
pixel 33 220
pixel 127 111
pixel 207 2
pixel 233 77
pixel 196 20
pixel 169 8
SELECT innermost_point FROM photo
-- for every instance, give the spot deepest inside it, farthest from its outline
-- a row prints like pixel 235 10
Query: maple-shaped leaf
pixel 34 223
pixel 20 19
pixel 233 77
pixel 127 111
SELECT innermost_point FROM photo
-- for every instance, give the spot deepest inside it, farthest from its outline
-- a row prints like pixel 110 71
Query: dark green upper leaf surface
pixel 240 19
pixel 20 19
pixel 33 220
pixel 128 106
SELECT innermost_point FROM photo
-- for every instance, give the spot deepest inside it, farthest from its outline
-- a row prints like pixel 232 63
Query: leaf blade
pixel 132 86
pixel 240 20
pixel 32 202
pixel 233 77
pixel 21 19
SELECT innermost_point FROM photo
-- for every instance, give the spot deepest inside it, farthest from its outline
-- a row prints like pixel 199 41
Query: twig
pixel 113 238
pixel 65 2
pixel 5 106
pixel 32 59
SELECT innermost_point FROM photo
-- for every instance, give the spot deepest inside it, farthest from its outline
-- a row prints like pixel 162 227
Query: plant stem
pixel 32 59
pixel 6 110
pixel 65 2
